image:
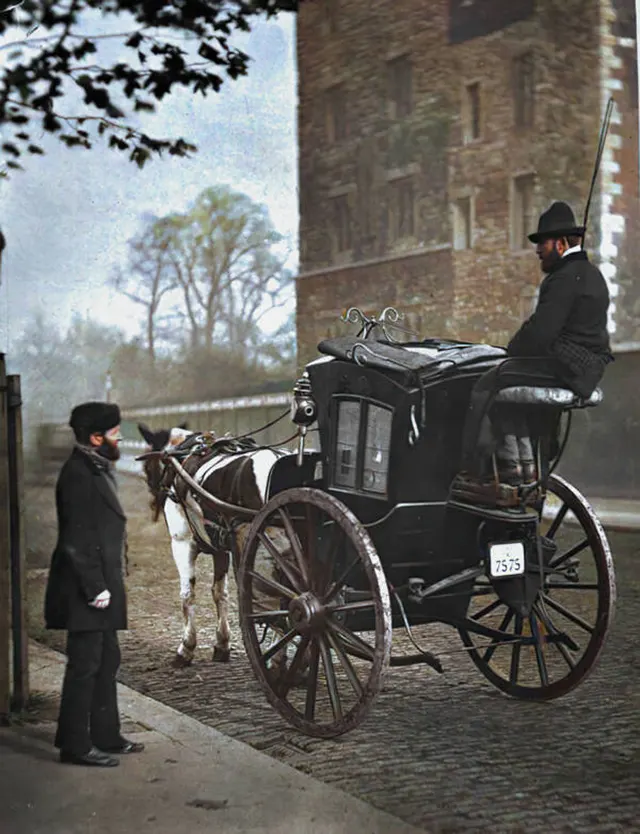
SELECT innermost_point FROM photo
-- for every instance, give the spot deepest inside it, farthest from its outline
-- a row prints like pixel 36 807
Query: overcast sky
pixel 67 219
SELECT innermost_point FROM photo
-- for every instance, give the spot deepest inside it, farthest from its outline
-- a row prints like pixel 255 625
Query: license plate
pixel 506 559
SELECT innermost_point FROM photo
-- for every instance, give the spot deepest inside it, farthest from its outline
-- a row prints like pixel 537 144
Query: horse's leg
pixel 184 552
pixel 219 590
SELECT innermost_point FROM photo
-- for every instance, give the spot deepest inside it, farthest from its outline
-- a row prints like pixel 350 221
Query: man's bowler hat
pixel 557 221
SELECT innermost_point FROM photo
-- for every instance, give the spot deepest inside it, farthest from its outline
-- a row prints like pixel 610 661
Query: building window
pixel 522 215
pixel 471 113
pixel 400 87
pixel 341 223
pixel 403 208
pixel 336 111
pixel 523 90
pixel 475 18
pixel 462 224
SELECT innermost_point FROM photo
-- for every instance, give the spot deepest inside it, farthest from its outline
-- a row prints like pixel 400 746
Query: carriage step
pixel 492 493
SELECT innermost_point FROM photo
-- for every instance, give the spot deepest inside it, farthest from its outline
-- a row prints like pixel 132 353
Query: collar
pixel 573 250
pixel 579 255
pixel 101 463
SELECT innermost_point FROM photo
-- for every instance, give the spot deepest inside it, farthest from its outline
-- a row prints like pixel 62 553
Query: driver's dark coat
pixel 569 324
pixel 89 554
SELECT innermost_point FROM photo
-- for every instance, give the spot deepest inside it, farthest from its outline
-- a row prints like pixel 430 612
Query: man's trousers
pixel 479 438
pixel 89 705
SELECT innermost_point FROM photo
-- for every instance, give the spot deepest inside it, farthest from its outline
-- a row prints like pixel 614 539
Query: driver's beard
pixel 552 258
pixel 107 450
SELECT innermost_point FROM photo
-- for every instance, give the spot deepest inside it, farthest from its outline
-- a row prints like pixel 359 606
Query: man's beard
pixel 549 260
pixel 109 451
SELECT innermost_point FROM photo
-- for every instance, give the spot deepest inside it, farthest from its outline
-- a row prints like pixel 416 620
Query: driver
pixel 564 343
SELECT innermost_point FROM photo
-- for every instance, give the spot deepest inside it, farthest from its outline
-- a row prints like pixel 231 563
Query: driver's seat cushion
pixel 543 395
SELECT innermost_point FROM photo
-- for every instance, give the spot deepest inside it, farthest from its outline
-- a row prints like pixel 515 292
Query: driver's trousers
pixel 479 438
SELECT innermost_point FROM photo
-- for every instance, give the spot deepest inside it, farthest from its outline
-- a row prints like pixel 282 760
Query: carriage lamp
pixel 303 411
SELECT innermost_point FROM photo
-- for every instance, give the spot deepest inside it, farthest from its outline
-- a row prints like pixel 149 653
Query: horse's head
pixel 155 471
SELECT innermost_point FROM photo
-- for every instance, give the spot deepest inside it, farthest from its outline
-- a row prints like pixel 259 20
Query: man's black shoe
pixel 125 746
pixel 94 758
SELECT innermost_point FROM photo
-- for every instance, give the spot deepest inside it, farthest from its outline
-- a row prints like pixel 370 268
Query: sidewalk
pixel 617 513
pixel 189 778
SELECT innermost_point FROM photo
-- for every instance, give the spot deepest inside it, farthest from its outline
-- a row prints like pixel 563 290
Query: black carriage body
pixel 371 539
pixel 390 447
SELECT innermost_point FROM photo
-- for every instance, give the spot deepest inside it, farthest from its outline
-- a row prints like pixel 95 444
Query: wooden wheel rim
pixel 361 543
pixel 589 523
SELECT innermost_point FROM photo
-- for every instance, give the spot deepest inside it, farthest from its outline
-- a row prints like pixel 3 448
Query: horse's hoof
pixel 221 655
pixel 180 662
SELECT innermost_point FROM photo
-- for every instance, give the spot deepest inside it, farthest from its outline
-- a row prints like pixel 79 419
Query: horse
pixel 230 469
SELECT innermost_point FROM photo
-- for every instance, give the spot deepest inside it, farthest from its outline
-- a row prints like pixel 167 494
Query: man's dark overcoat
pixel 569 324
pixel 564 342
pixel 89 554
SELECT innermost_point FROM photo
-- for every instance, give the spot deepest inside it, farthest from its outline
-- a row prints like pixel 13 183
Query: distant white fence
pixel 233 415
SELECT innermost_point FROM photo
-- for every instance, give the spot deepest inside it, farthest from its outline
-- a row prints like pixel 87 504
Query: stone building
pixel 431 137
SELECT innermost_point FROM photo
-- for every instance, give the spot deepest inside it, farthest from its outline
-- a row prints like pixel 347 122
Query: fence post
pixel 5 573
pixel 17 557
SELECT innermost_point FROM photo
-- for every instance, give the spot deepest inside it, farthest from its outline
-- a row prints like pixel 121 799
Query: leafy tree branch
pixel 186 44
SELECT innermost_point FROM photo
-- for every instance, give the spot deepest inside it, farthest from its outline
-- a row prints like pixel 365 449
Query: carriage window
pixel 347 445
pixel 376 449
pixel 362 449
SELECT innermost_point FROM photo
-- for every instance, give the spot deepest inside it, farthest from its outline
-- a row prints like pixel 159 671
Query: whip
pixel 601 143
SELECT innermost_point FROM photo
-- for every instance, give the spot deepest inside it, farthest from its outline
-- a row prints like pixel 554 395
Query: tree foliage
pixel 60 369
pixel 71 71
pixel 219 269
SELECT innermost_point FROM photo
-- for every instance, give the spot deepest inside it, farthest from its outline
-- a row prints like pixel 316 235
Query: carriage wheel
pixel 307 569
pixel 570 617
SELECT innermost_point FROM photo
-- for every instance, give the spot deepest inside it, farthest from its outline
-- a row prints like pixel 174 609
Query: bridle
pixel 160 490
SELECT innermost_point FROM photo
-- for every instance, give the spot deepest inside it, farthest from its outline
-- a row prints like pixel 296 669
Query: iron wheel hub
pixel 306 613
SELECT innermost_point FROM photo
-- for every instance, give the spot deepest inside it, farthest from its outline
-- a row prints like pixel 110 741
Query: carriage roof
pixel 412 364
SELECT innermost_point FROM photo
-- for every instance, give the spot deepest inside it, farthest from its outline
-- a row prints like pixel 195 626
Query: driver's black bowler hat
pixel 557 221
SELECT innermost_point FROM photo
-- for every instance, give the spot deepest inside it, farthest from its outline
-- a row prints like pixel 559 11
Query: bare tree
pixel 225 260
pixel 149 277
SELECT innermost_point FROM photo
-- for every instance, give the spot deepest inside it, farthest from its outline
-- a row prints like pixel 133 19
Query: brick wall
pixel 418 285
pixel 483 292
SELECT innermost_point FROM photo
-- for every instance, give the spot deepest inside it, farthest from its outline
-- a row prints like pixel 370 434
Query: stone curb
pixel 332 811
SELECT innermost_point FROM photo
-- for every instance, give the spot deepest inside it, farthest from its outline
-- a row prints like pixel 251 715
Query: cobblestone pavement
pixel 445 752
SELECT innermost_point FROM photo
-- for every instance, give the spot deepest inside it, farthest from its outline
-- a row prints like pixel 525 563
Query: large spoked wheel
pixel 571 614
pixel 314 611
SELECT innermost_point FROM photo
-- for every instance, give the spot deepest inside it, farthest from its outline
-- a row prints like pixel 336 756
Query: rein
pixel 196 444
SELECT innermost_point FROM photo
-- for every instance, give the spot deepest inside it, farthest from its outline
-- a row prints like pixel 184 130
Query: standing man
pixel 564 343
pixel 85 590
